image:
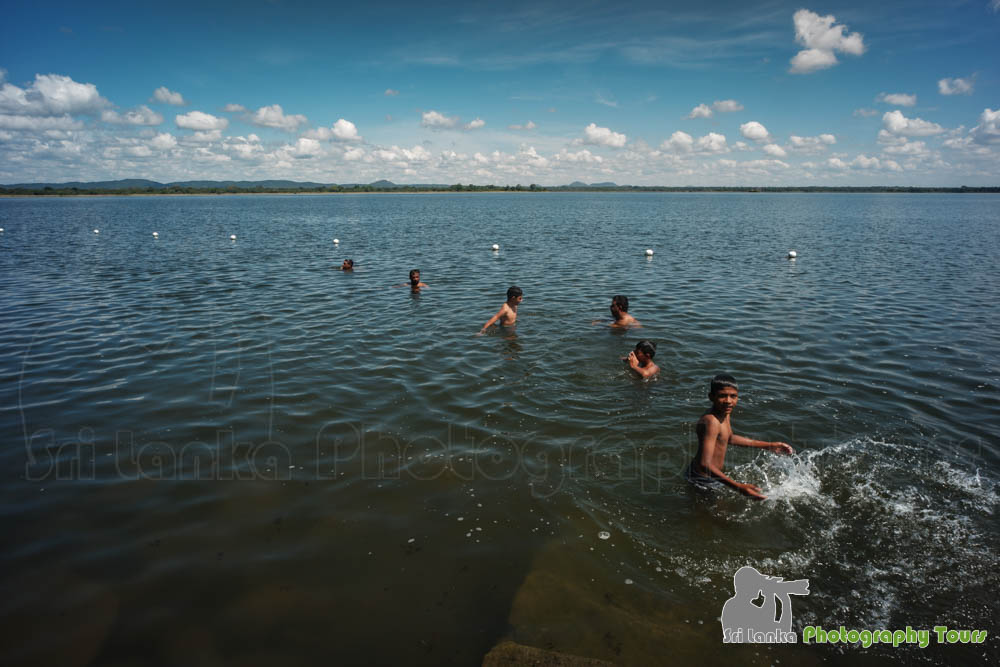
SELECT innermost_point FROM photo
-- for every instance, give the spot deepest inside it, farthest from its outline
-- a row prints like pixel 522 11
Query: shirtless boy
pixel 414 283
pixel 619 311
pixel 348 265
pixel 715 433
pixel 507 314
pixel 641 359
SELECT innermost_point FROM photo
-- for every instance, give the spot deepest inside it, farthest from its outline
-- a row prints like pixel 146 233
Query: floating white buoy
pixel 496 246
pixel 336 241
pixel 97 231
pixel 156 233
pixel 649 252
pixel 232 236
pixel 792 254
pixel 1 230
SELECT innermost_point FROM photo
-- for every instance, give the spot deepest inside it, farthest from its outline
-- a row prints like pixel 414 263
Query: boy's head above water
pixel 415 276
pixel 514 294
pixel 619 303
pixel 645 348
pixel 723 392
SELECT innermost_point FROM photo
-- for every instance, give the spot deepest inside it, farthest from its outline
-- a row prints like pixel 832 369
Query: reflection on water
pixel 236 451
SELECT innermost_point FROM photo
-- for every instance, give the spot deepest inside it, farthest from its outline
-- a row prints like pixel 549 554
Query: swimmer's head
pixel 646 347
pixel 514 293
pixel 348 264
pixel 415 277
pixel 619 303
pixel 724 383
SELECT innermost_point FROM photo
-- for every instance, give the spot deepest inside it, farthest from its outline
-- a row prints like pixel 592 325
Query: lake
pixel 231 451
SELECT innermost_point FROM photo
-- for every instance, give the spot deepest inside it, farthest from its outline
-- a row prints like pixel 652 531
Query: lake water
pixel 230 451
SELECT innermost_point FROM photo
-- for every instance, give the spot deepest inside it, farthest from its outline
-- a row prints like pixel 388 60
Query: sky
pixel 659 93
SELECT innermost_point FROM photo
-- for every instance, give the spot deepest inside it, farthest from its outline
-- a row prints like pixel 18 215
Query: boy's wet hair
pixel 513 292
pixel 621 302
pixel 647 347
pixel 413 271
pixel 350 262
pixel 721 381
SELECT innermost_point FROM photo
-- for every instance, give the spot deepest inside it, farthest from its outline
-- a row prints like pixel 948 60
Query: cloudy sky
pixel 658 93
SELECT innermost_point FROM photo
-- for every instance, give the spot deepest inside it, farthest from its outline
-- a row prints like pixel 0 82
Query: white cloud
pixel 754 131
pixel 51 95
pixel 811 144
pixel 475 124
pixel 727 106
pixel 140 116
pixel 306 147
pixel 389 92
pixel 896 123
pixel 865 113
pixel 821 38
pixel 234 108
pixel 898 99
pixel 836 163
pixel 438 121
pixel 774 150
pixel 199 120
pixel 527 126
pixel 865 162
pixel 206 136
pixel 354 154
pixel 700 111
pixel 138 151
pixel 167 96
pixel 679 142
pixel 712 143
pixel 988 130
pixel 907 148
pixel 602 136
pixel 600 99
pixel 163 141
pixel 274 116
pixel 956 86
pixel 581 156
pixel 38 123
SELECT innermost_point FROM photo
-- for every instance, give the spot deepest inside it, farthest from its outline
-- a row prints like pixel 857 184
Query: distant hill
pixel 97 185
pixel 142 184
pixel 604 185
pixel 577 184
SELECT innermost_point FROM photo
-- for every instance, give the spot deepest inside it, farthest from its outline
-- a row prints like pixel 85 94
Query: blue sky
pixel 660 93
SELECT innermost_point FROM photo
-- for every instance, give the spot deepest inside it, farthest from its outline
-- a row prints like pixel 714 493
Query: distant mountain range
pixel 144 184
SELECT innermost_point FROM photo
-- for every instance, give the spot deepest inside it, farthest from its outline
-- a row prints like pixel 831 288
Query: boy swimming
pixel 348 265
pixel 508 311
pixel 414 283
pixel 715 433
pixel 641 359
pixel 619 311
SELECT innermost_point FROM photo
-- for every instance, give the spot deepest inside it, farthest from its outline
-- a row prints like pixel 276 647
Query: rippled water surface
pixel 223 451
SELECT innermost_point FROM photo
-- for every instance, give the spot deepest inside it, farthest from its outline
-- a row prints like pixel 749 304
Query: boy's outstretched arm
pixel 710 436
pixel 776 447
pixel 493 319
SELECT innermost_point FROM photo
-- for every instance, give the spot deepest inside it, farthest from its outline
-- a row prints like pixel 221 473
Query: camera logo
pixel 761 610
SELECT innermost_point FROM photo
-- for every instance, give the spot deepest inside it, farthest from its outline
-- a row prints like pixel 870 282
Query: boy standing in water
pixel 641 359
pixel 508 311
pixel 715 433
pixel 619 311
pixel 414 283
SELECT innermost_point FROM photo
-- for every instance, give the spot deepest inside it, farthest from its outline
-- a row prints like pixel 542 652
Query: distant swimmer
pixel 715 433
pixel 348 265
pixel 507 314
pixel 414 283
pixel 641 359
pixel 619 313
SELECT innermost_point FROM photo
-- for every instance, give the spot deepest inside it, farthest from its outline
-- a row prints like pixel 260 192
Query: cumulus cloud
pixel 306 147
pixel 167 96
pixel 956 86
pixel 51 95
pixel 602 136
pixel 712 143
pixel 822 38
pixel 438 121
pixel 274 116
pixel 865 113
pixel 754 131
pixel 679 142
pixel 700 111
pixel 163 141
pixel 811 144
pixel 234 108
pixel 38 123
pixel 581 156
pixel 475 124
pixel 201 121
pixel 527 126
pixel 354 154
pixel 898 99
pixel 774 150
pixel 913 148
pixel 988 130
pixel 389 92
pixel 896 123
pixel 727 106
pixel 140 116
